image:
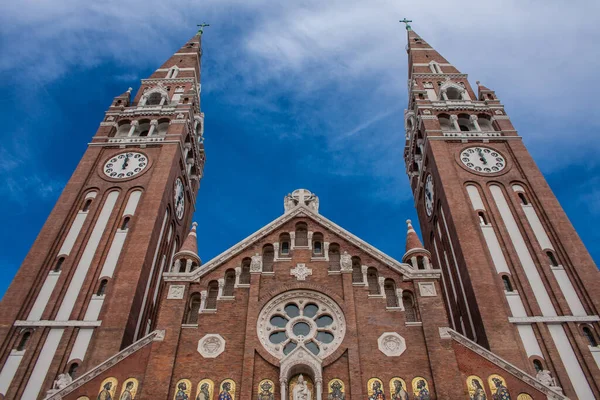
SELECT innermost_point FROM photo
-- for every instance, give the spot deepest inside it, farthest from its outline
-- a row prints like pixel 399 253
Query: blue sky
pixel 296 94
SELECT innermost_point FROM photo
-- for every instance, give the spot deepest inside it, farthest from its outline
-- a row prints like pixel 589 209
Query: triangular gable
pixel 506 366
pixel 302 211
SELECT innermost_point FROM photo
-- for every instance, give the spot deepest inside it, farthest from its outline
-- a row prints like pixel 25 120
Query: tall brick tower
pixel 517 279
pixel 90 283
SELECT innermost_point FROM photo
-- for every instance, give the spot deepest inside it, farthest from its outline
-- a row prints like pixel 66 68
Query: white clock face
pixel 429 195
pixel 125 165
pixel 179 198
pixel 483 159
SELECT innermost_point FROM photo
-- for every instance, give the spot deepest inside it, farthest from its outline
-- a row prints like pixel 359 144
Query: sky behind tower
pixel 296 94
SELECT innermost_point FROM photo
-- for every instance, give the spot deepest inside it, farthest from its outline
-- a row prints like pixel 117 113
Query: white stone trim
pixel 57 324
pixel 427 289
pixel 211 345
pixel 176 292
pixel 391 344
pixel 553 320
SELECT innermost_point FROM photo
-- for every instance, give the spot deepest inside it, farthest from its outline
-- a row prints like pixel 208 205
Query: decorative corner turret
pixel 415 255
pixel 187 259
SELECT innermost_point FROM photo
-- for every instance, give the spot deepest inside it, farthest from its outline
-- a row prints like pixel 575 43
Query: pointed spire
pixel 412 240
pixel 191 242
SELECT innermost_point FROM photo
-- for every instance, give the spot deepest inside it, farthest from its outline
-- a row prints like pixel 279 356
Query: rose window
pixel 301 318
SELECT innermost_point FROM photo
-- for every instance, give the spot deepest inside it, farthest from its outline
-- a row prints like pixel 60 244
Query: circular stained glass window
pixel 301 318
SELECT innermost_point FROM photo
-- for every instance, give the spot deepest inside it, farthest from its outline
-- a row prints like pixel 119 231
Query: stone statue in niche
pixel 256 263
pixel 265 390
pixel 397 390
pixel 545 377
pixel 289 202
pixel 301 390
pixel 345 262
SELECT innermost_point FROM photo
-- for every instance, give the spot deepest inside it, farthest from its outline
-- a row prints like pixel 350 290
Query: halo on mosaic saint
pixel 205 390
pixel 498 387
pixel 398 389
pixel 266 390
pixel 476 388
pixel 227 390
pixel 524 396
pixel 337 390
pixel 129 389
pixel 183 390
pixel 108 388
pixel 83 398
pixel 375 389
pixel 420 388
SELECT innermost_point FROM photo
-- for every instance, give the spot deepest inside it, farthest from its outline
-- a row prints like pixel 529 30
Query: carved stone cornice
pixel 508 367
pixel 154 336
pixel 554 320
pixel 433 76
pixel 59 324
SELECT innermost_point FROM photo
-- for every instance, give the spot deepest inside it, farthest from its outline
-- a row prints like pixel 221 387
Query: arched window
pixel 408 301
pixel 435 67
pixel 420 262
pixel 124 128
pixel 485 123
pixel 445 123
pixel 284 244
pixel 154 99
pixel 301 234
pixel 523 198
pixel 334 257
pixel 245 275
pixel 213 292
pixel 87 205
pixel 24 340
pixel 268 257
pixel 182 265
pixel 317 244
pixel 172 73
pixel 464 123
pixel 102 287
pixel 58 265
pixel 587 332
pixel 162 127
pixel 229 282
pixel 552 259
pixel 482 219
pixel 357 276
pixel 191 316
pixel 144 127
pixel 194 266
pixel 453 94
pixel 389 287
pixel 537 364
pixel 125 224
pixel 507 285
pixel 73 370
pixel 373 280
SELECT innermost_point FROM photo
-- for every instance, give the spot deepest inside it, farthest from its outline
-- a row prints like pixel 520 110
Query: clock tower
pixel 516 277
pixel 89 286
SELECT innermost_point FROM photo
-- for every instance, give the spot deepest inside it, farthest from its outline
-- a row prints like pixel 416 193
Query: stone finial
pixel 301 197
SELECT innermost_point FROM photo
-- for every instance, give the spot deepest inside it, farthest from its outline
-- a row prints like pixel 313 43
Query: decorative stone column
pixel 221 286
pixel 188 265
pixel 381 280
pixel 276 250
pixel 319 384
pixel 427 263
pixel 444 95
pixel 454 121
pixel 176 266
pixel 153 125
pixel 364 269
pixel 163 99
pixel 310 235
pixel 134 126
pixel 203 297
pixel 283 387
pixel 186 150
pixel 292 240
pixel 399 296
pixel 238 272
pixel 326 250
pixel 413 261
pixel 190 163
pixel 475 123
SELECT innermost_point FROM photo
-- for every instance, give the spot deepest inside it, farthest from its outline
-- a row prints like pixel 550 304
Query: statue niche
pixel 301 388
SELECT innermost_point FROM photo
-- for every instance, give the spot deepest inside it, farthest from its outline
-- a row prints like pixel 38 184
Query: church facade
pixel 114 302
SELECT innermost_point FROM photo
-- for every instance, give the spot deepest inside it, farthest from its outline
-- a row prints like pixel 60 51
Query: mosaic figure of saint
pixel 377 392
pixel 501 390
pixel 181 392
pixel 204 392
pixel 423 392
pixel 266 391
pixel 105 392
pixel 126 395
pixel 336 392
pixel 479 391
pixel 225 389
pixel 398 392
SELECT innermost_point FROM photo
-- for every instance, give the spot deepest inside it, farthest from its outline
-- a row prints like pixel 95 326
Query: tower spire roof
pixel 190 245
pixel 412 240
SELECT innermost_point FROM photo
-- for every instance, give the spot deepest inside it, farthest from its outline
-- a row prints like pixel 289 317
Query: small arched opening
pixel 193 308
pixel 357 276
pixel 389 287
pixel 373 280
pixel 213 292
pixel 334 257
pixel 229 282
pixel 268 256
pixel 301 234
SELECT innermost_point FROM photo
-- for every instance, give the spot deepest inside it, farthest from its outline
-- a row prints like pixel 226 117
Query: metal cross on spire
pixel 201 26
pixel 406 21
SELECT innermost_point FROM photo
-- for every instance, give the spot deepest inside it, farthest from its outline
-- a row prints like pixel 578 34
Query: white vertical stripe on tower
pixel 36 380
pixel 75 228
pixel 9 369
pixel 437 255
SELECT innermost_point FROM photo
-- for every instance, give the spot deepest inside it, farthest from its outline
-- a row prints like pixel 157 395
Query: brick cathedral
pixel 113 301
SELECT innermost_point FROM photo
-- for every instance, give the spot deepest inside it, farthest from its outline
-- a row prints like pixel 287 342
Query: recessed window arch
pixel 102 287
pixel 420 262
pixel 58 264
pixel 453 93
pixel 485 123
pixel 284 244
pixel 173 72
pixel 464 123
pixel 445 123
pixel 357 276
pixel 86 205
pixel 213 292
pixel 507 284
pixel 482 218
pixel 229 282
pixel 589 336
pixel 523 198
pixel 162 127
pixel 268 256
pixel 125 223
pixel 410 311
pixel 389 287
pixel 317 244
pixel 552 258
pixel 373 280
pixel 245 274
pixel 25 336
pixel 182 265
pixel 144 127
pixel 193 308
pixel 123 128
pixel 537 364
pixel 73 370
pixel 301 234
pixel 334 257
pixel 435 67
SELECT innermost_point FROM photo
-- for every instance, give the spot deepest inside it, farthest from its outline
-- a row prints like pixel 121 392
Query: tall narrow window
pixel 537 364
pixel 182 265
pixel 125 224
pixel 507 285
pixel 87 205
pixel 245 275
pixel 268 257
pixel 410 312
pixel 317 242
pixel 229 282
pixel 102 287
pixel 389 287
pixel 301 234
pixel 23 342
pixel 420 262
pixel 357 276
pixel 58 265
pixel 213 292
pixel 587 332
pixel 552 259
pixel 284 244
pixel 523 198
pixel 482 219
pixel 334 257
pixel 192 309
pixel 373 280
pixel 73 370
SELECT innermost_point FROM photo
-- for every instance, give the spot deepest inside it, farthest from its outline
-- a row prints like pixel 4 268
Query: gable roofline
pixel 302 211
